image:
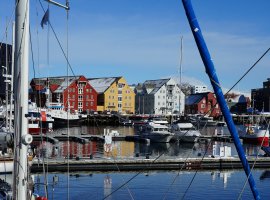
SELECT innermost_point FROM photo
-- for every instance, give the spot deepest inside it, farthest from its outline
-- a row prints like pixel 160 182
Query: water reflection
pixel 125 149
pixel 210 184
pixel 265 175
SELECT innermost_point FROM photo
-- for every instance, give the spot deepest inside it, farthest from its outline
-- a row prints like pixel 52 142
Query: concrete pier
pixel 134 164
pixel 100 138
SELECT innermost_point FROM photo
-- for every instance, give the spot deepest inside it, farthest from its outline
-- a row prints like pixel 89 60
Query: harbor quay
pixel 145 164
pixel 137 162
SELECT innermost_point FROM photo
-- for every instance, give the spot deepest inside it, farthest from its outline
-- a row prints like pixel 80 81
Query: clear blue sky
pixel 140 39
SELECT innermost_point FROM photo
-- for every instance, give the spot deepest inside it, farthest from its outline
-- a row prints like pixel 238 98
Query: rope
pixel 67 17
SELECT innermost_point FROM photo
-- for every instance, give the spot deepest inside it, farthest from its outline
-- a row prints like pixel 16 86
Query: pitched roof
pixel 102 84
pixel 61 81
pixel 152 86
pixel 195 98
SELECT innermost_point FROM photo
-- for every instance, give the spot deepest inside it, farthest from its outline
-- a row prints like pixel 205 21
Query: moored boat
pixel 207 121
pixel 156 133
pixel 185 131
pixel 38 120
pixel 62 117
pixel 254 133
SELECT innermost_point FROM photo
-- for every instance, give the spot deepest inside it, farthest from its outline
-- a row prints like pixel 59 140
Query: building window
pixel 119 98
pixel 86 103
pixel 91 103
pixel 80 97
pixel 80 105
pixel 202 105
pixel 80 90
pixel 92 96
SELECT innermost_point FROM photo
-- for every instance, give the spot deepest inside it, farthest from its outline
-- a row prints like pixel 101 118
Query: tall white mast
pixel 22 138
pixel 12 72
pixel 180 74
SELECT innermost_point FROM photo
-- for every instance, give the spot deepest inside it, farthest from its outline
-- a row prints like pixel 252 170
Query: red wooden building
pixel 202 103
pixel 72 91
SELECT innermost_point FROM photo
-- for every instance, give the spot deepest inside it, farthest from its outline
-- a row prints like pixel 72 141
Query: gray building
pixel 260 97
pixel 162 96
pixel 5 67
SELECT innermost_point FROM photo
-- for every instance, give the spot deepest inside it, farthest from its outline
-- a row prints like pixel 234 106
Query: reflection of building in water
pixel 78 149
pixel 44 150
pixel 121 149
pixel 224 175
pixel 107 186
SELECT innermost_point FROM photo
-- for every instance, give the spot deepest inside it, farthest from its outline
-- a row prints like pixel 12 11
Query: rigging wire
pixel 74 75
pixel 8 24
pixel 137 174
pixel 59 43
pixel 44 169
pixel 130 194
pixel 204 126
pixel 227 93
pixel 68 106
pixel 254 163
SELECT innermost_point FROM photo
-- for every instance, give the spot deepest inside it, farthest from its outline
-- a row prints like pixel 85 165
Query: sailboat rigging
pixel 210 69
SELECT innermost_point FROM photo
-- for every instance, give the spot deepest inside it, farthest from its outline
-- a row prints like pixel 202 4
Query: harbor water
pixel 187 184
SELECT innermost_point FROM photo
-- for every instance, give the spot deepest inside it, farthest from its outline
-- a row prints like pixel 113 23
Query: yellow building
pixel 114 94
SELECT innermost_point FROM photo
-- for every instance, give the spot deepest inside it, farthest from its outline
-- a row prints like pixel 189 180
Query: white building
pixel 159 97
pixel 199 89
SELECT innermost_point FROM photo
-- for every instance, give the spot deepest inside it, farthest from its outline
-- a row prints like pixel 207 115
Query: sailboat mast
pixel 210 70
pixel 12 72
pixel 180 74
pixel 22 138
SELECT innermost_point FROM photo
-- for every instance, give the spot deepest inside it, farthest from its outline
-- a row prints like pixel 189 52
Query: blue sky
pixel 140 39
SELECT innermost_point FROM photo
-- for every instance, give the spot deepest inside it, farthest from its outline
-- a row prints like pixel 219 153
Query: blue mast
pixel 210 70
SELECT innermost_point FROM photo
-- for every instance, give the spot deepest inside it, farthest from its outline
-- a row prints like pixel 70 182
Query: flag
pixel 45 18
